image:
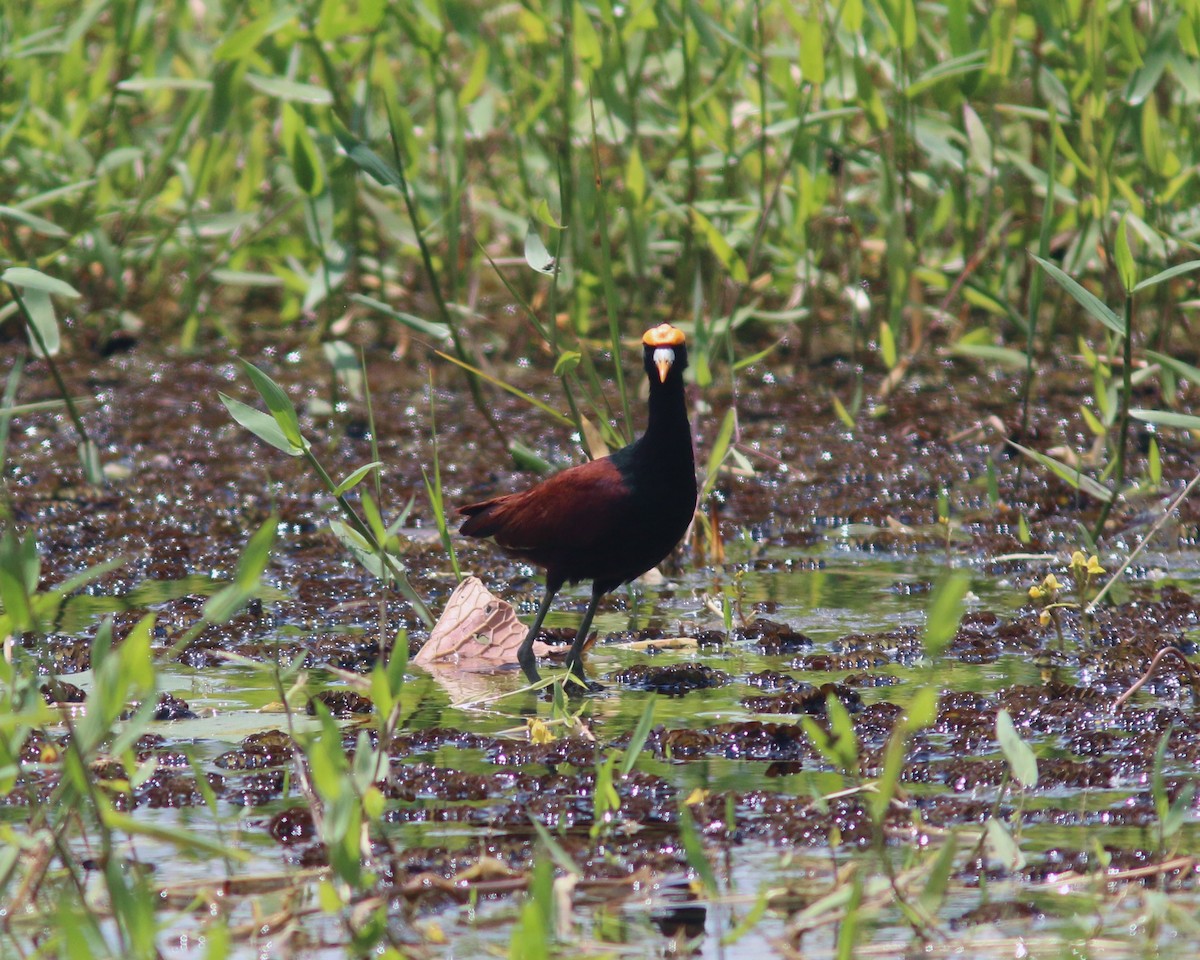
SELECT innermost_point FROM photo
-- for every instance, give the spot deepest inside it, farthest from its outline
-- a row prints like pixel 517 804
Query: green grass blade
pixel 1085 298
pixel 1169 273
pixel 1068 475
pixel 1167 418
pixel 638 739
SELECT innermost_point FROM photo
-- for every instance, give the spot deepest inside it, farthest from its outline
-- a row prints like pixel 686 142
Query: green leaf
pixel 257 554
pixel 959 66
pixel 29 279
pixel 957 28
pixel 567 361
pixel 933 893
pixel 1153 151
pixel 355 478
pixel 1181 369
pixel 812 48
pixel 365 554
pixel 1001 846
pixel 557 853
pixel 921 710
pixel 720 447
pixel 475 79
pixel 1020 756
pixel 15 600
pixel 638 739
pixel 525 458
pixel 635 176
pixel 137 663
pixel 223 605
pixel 155 84
pixel 302 152
pixel 44 337
pixel 1069 475
pixel 693 850
pixel 243 40
pixel 587 41
pixel 843 414
pixel 289 90
pixel 536 254
pixel 1123 254
pixel 978 141
pixel 1179 811
pixel 427 328
pixel 172 837
pixel 397 662
pixel 246 278
pixel 1000 356
pixel 945 612
pixel 1167 418
pixel 1158 787
pixel 1167 274
pixel 843 739
pixel 887 345
pixel 852 16
pixel 720 247
pixel 508 387
pixel 1154 461
pixel 278 404
pixel 262 425
pixel 1089 301
pixel 754 358
pixel 367 160
pixel 38 225
pixel 885 787
pixel 541 212
pixel 374 517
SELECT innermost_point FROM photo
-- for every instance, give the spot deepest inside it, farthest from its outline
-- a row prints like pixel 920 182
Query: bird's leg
pixel 575 654
pixel 525 655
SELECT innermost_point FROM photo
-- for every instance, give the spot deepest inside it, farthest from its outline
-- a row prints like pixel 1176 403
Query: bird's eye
pixel 664 355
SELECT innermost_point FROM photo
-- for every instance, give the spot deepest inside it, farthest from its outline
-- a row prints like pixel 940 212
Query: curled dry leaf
pixel 477 631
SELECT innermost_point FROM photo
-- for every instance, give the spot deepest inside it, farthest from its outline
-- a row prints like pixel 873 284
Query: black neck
pixel 668 431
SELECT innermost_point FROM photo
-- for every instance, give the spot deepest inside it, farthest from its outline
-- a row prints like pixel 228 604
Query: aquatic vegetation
pixel 841 721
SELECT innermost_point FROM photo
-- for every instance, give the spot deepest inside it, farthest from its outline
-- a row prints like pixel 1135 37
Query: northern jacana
pixel 611 519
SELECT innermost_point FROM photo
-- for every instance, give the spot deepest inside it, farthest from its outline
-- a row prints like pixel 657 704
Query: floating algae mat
pixel 766 770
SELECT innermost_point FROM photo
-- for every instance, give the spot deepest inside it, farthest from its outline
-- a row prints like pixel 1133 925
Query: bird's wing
pixel 571 510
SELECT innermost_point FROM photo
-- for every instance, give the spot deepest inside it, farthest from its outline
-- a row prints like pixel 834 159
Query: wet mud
pixel 732 749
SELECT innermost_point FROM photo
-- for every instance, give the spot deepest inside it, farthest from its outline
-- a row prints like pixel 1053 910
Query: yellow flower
pixel 1093 566
pixel 1044 618
pixel 1051 584
pixel 1035 593
pixel 539 732
pixel 1078 561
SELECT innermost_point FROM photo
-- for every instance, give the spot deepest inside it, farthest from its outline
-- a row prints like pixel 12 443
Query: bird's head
pixel 666 351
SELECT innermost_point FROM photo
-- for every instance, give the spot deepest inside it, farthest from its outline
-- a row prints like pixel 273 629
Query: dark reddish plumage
pixel 609 520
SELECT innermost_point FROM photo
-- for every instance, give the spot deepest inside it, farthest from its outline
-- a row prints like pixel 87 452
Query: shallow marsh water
pixel 834 540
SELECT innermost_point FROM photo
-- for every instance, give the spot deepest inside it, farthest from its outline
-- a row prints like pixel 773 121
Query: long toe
pixel 528 662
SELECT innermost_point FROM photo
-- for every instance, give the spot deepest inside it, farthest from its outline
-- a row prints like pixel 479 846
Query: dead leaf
pixel 485 868
pixel 895 526
pixel 594 439
pixel 660 643
pixel 477 631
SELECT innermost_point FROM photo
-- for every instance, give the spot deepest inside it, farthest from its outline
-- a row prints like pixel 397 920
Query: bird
pixel 608 520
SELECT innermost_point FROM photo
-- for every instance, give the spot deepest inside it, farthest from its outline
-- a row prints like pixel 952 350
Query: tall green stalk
pixel 1123 432
pixel 1037 279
